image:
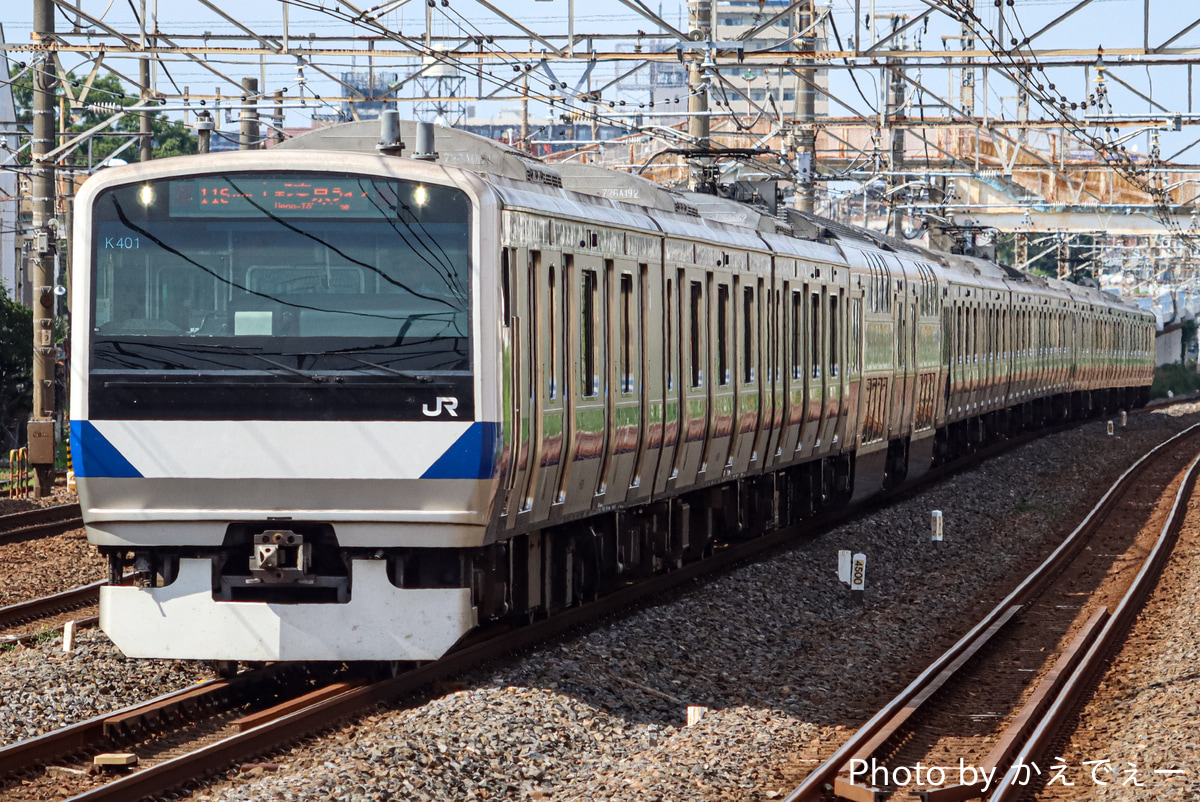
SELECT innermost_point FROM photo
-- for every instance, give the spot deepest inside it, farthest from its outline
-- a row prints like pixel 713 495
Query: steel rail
pixel 27 638
pixel 39 522
pixel 1081 681
pixel 51 605
pixel 138 720
pixel 885 722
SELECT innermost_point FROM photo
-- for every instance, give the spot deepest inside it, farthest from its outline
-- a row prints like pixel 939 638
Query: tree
pixel 16 368
pixel 171 138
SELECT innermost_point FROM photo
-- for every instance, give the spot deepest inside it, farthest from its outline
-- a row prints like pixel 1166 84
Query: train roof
pixel 825 237
pixel 591 179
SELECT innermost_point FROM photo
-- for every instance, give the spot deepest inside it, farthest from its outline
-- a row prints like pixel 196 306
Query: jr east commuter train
pixel 337 403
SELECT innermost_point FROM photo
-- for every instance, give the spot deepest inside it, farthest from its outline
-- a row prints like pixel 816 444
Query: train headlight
pixel 146 196
pixel 420 196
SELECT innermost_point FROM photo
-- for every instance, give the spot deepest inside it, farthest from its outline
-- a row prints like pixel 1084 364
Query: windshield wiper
pixel 406 374
pixel 243 350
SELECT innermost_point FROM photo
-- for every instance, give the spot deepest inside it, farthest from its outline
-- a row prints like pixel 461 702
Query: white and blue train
pixel 337 404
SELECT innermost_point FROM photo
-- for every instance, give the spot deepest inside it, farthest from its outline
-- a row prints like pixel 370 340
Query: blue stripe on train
pixel 473 455
pixel 93 455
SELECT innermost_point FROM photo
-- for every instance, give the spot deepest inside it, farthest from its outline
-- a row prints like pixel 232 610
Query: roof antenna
pixel 390 143
pixel 425 148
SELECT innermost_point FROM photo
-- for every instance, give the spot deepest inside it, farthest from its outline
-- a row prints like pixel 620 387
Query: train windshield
pixel 285 276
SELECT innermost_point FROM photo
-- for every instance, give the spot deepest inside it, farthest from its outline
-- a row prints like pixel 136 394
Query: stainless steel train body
pixel 344 406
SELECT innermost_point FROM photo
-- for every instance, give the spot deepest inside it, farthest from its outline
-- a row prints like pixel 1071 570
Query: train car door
pixel 815 361
pixel 519 357
pixel 694 315
pixel 624 321
pixel 773 393
pixel 832 306
pixel 906 359
pixel 750 377
pixel 795 379
pixel 547 316
pixel 585 390
pixel 669 368
pixel 722 290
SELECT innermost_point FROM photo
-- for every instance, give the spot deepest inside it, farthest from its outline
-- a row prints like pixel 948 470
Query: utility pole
pixel 701 22
pixel 524 143
pixel 279 115
pixel 895 115
pixel 204 129
pixel 146 145
pixel 248 139
pixel 804 117
pixel 42 440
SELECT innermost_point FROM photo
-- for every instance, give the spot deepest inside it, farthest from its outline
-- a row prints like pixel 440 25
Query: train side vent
pixel 537 175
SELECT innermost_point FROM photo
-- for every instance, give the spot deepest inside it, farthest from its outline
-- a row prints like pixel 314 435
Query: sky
pixel 1108 23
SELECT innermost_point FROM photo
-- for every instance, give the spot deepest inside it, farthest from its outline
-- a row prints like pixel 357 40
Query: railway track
pixel 80 604
pixel 171 736
pixel 40 522
pixel 199 747
pixel 984 713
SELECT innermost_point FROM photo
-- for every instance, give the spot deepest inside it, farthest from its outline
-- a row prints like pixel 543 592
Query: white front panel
pixel 281 449
pixel 380 622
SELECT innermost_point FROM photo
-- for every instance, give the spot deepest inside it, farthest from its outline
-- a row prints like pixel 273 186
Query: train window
pixel 697 296
pixel 856 335
pixel 534 330
pixel 551 328
pixel 958 334
pixel 969 344
pixel 587 334
pixel 669 353
pixel 746 343
pixel 505 309
pixel 777 344
pixel 797 336
pixel 722 334
pixel 1004 334
pixel 815 326
pixel 626 333
pixel 834 322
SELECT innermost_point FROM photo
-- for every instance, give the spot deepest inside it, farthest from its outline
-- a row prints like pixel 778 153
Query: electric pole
pixel 804 117
pixel 42 440
pixel 701 23
pixel 249 130
pixel 146 144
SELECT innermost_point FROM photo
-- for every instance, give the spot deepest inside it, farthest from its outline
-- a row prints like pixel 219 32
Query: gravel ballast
pixel 43 688
pixel 786 663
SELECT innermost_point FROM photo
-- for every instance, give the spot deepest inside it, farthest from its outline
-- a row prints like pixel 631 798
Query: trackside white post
pixel 935 521
pixel 1124 418
pixel 1110 428
pixel 695 713
pixel 69 637
pixel 844 566
pixel 858 577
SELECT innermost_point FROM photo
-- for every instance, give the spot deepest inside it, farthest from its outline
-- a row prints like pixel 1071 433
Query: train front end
pixel 276 409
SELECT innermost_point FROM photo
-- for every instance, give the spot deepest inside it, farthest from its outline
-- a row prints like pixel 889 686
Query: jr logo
pixel 444 403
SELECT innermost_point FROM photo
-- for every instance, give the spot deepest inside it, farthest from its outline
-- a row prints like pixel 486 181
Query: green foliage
pixel 16 368
pixel 1189 337
pixel 1045 264
pixel 1178 378
pixel 170 138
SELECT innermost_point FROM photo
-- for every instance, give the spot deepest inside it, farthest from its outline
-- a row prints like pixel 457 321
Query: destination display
pixel 328 196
